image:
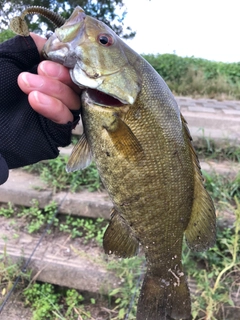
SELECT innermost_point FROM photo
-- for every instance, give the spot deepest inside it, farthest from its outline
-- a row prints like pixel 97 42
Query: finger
pixel 31 82
pixel 50 107
pixel 39 41
pixel 57 71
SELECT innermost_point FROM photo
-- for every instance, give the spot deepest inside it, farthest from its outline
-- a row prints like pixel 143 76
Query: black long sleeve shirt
pixel 26 137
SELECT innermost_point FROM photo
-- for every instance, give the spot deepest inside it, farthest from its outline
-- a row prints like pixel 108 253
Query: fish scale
pixel 151 189
pixel 134 131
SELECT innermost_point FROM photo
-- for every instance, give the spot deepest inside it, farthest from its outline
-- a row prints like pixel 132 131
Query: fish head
pixel 96 56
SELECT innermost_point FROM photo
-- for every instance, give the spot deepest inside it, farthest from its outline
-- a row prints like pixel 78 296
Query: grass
pixel 9 271
pixel 34 219
pixel 194 84
pixel 222 188
pixel 216 272
pixel 130 272
pixel 197 77
pixel 53 172
pixel 217 275
pixel 208 149
pixel 51 302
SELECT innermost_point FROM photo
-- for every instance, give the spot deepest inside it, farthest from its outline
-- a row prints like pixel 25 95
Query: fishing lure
pixel 20 27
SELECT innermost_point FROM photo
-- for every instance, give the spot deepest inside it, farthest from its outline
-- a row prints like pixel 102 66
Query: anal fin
pixel 201 230
pixel 119 239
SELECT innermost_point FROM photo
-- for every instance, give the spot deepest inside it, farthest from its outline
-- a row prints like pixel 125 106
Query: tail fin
pixel 164 297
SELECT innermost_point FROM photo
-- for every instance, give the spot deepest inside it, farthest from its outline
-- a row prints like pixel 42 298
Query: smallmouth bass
pixel 134 131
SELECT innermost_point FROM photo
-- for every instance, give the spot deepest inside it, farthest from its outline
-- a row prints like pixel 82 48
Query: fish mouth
pixel 102 99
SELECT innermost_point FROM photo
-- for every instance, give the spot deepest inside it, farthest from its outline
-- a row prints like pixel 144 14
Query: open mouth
pixel 103 99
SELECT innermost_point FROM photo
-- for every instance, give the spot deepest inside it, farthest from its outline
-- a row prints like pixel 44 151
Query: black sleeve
pixel 25 136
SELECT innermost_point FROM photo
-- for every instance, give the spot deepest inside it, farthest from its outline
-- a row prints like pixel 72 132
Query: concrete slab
pixel 22 187
pixel 65 262
pixel 219 119
pixel 85 204
pixel 59 260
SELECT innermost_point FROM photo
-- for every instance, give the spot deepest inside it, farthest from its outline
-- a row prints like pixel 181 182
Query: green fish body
pixel 135 133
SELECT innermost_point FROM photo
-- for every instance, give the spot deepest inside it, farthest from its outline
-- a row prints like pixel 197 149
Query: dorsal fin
pixel 201 230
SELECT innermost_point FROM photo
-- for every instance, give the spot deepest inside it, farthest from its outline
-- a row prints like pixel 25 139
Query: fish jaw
pixel 62 44
pixel 78 46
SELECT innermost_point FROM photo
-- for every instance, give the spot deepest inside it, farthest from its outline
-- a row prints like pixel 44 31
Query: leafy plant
pixel 221 187
pixel 7 211
pixel 37 217
pixel 43 300
pixel 206 148
pixel 86 228
pixel 217 269
pixel 190 76
pixel 54 173
pixel 130 271
pixel 52 302
pixel 9 271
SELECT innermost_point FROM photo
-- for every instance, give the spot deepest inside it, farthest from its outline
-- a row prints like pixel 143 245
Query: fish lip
pixel 60 52
pixel 62 45
pixel 97 97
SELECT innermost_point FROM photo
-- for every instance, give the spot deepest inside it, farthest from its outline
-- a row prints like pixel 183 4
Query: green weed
pixel 130 271
pixel 206 148
pixel 36 217
pixel 86 228
pixel 9 271
pixel 54 173
pixel 197 77
pixel 218 269
pixel 221 187
pixel 43 300
pixel 51 302
pixel 7 211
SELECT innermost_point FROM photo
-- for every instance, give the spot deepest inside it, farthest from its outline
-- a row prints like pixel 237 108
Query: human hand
pixel 51 92
pixel 28 136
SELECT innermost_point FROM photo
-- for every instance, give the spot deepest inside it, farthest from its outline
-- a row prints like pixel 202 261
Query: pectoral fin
pixel 124 140
pixel 201 230
pixel 119 239
pixel 80 157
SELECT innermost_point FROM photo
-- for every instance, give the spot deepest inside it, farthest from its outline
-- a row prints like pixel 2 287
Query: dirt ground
pixel 15 310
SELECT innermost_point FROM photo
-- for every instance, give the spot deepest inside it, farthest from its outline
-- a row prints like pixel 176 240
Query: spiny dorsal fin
pixel 201 230
pixel 118 238
pixel 81 156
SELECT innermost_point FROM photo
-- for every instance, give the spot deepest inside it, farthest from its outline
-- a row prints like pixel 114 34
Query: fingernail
pixel 42 98
pixel 50 69
pixel 32 80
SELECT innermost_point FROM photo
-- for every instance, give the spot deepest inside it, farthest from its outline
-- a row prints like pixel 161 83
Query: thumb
pixel 39 42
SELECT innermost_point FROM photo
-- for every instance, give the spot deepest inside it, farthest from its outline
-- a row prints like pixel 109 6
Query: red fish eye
pixel 105 39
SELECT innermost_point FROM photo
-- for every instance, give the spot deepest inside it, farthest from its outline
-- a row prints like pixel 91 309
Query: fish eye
pixel 105 39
